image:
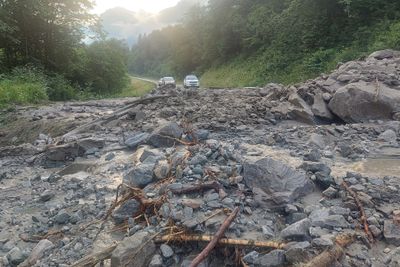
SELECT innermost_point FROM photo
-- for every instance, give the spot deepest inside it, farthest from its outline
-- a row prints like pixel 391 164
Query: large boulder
pixel 320 108
pixel 166 135
pixel 274 183
pixel 140 176
pixel 363 101
pixel 134 251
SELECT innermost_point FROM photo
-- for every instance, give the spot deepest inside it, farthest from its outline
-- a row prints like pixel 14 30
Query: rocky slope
pixel 186 160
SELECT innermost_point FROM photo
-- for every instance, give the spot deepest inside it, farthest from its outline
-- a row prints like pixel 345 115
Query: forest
pixel 57 50
pixel 44 55
pixel 250 43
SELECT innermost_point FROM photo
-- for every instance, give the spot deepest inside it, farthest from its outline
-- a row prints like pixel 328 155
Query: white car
pixel 167 81
pixel 191 81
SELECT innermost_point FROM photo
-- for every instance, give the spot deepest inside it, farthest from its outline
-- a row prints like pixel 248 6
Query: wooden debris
pixel 198 188
pixel 117 114
pixel 93 259
pixel 207 250
pixel 363 217
pixel 333 254
pixel 223 241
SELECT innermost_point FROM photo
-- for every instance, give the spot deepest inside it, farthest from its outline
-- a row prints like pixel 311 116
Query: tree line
pixel 278 40
pixel 46 38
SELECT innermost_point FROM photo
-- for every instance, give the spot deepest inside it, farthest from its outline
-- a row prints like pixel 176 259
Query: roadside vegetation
pixel 248 43
pixel 43 55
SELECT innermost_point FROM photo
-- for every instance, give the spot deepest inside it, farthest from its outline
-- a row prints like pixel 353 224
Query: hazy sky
pixel 152 6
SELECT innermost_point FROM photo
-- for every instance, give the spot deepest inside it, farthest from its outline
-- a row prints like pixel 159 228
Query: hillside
pixel 251 43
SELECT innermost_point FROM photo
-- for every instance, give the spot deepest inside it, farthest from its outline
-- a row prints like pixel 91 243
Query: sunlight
pixel 152 6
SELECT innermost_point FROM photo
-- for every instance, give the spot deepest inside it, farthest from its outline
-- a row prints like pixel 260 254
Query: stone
pixel 141 243
pixel 320 108
pixel 274 183
pixel 15 256
pixel 317 140
pixel 275 258
pixel 267 231
pixel 322 242
pixel 251 257
pixel 297 253
pixel 313 155
pixel 46 195
pixel 166 251
pixel 330 193
pixel 62 217
pixel 38 252
pixel 297 231
pixel 127 210
pixel 166 135
pixel 335 221
pixel 162 169
pixel 156 261
pixel 362 101
pixel 388 136
pixel 136 140
pixel 391 232
pixel 383 54
pixel 140 176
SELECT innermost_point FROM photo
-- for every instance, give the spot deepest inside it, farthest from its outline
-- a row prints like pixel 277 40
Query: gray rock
pixel 140 243
pixel 317 140
pixel 320 108
pixel 267 231
pixel 382 54
pixel 313 155
pixel 140 176
pixel 322 242
pixel 391 232
pixel 38 252
pixel 162 169
pixel 62 217
pixel 297 253
pixel 274 183
pixel 136 140
pixel 166 135
pixel 166 251
pixel 361 102
pixel 330 192
pixel 335 221
pixel 297 231
pixel 46 195
pixel 156 261
pixel 15 256
pixel 127 210
pixel 275 258
pixel 251 257
pixel 388 136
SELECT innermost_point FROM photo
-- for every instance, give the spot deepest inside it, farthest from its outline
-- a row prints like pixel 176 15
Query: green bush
pixel 59 89
pixel 23 86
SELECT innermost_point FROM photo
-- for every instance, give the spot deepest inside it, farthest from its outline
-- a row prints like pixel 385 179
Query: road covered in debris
pixel 274 176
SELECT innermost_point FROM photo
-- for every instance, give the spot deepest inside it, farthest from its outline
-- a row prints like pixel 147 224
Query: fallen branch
pixel 363 217
pixel 198 188
pixel 222 241
pixel 207 250
pixel 117 114
pixel 93 259
pixel 333 254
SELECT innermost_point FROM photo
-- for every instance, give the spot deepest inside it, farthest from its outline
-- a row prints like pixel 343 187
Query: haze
pixel 152 6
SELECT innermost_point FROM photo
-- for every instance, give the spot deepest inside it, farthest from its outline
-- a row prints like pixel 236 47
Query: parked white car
pixel 191 81
pixel 167 81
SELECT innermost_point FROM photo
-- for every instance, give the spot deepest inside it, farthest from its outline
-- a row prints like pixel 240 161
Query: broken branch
pixel 363 217
pixel 222 241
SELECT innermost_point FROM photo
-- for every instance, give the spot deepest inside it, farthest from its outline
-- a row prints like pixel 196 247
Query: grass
pixel 136 88
pixel 21 92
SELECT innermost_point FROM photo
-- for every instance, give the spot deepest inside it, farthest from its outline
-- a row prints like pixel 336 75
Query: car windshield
pixel 191 78
pixel 168 79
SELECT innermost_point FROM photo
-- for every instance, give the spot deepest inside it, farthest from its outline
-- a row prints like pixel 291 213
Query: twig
pixel 363 217
pixel 207 250
pixel 222 241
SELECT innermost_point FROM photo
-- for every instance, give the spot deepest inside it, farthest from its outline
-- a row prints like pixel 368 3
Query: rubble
pixel 153 179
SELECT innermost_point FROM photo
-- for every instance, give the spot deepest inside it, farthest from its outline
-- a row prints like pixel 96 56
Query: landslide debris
pixel 179 165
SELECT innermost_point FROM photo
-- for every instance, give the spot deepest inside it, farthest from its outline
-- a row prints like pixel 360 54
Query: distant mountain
pixel 121 23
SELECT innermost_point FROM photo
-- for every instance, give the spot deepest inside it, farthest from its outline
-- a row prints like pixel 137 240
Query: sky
pixel 152 6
